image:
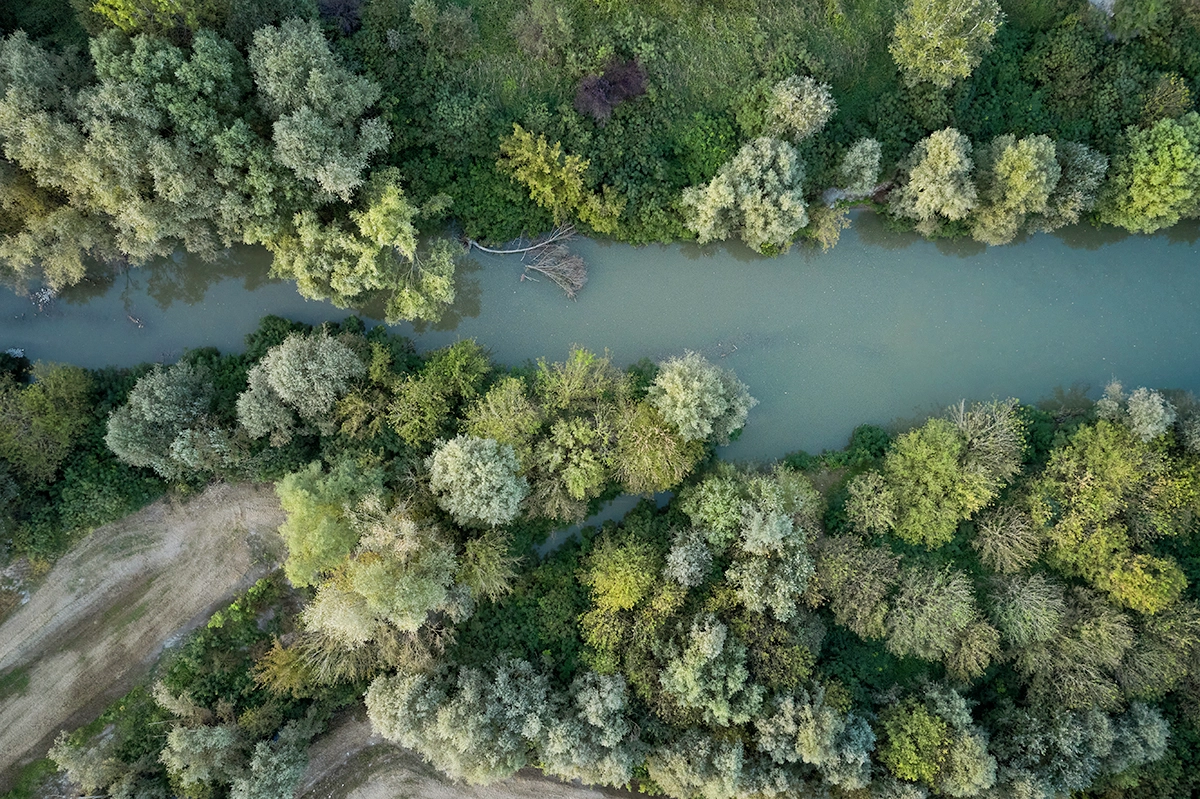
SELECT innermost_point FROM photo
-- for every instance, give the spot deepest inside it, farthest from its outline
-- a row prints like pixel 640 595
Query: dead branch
pixel 553 259
pixel 560 265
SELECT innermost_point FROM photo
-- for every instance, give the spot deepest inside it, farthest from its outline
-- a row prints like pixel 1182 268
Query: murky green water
pixel 884 325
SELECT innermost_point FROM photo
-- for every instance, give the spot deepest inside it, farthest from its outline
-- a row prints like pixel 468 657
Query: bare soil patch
pixel 105 611
pixel 351 762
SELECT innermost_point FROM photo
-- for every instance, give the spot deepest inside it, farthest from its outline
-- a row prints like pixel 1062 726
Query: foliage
pixel 1154 178
pixel 939 186
pixel 941 42
pixel 40 423
pixel 756 194
pixel 701 400
pixel 798 108
pixel 477 481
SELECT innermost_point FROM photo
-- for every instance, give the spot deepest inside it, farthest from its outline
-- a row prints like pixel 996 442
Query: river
pixel 883 326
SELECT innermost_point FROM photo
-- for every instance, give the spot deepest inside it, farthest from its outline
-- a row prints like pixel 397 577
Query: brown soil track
pixel 98 621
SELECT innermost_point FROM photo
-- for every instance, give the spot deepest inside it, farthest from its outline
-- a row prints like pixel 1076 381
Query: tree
pixel 871 507
pixel 859 169
pixel 480 730
pixel 707 671
pixel 758 194
pixel 1015 181
pixel 596 741
pixel 798 107
pixel 620 571
pixel 925 470
pixel 1008 540
pixel 697 764
pixel 1082 171
pixel 690 560
pixel 317 532
pixel 316 105
pixel 1146 412
pixel 807 727
pixel 938 184
pixel 509 415
pixel 942 41
pixel 934 617
pixel 476 480
pixel 196 757
pixel 423 404
pixel 1027 610
pixel 276 767
pixel 40 423
pixel 378 251
pixel 555 181
pixel 649 455
pixel 856 580
pixel 915 742
pixel 307 373
pixel 1155 179
pixel 162 407
pixel 701 400
pixel 487 568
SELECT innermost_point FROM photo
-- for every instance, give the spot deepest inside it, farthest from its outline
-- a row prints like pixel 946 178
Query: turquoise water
pixel 882 326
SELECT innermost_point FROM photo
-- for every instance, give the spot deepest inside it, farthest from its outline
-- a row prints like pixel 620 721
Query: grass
pixel 14 683
pixel 31 779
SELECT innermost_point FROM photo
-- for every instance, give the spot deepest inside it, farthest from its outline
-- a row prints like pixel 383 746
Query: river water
pixel 883 326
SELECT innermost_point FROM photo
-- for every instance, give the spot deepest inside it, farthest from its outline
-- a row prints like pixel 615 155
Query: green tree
pixel 758 195
pixel 856 581
pixel 934 615
pixel 317 532
pixel 807 727
pixel 942 41
pixel 697 763
pixel 556 181
pixel 925 471
pixel 620 571
pixel 41 423
pixel 938 184
pixel 914 741
pixel 1155 178
pixel 596 741
pixel 1027 609
pixel 476 480
pixel 649 455
pixel 1015 180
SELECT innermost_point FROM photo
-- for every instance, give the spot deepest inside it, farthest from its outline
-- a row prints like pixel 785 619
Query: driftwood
pixel 553 259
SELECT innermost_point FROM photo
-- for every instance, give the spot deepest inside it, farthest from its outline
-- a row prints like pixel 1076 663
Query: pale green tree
pixel 938 185
pixel 806 727
pixel 697 763
pixel 163 405
pixel 859 169
pixel 1155 179
pixel 798 107
pixel 942 41
pixel 1082 172
pixel 1015 181
pixel 317 107
pixel 307 374
pixel 703 401
pixel 596 740
pixel 1027 609
pixel 477 480
pixel 650 455
pixel 758 195
pixel 706 670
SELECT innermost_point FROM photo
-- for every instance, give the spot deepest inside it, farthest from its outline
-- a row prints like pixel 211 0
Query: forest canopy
pixel 357 140
pixel 999 600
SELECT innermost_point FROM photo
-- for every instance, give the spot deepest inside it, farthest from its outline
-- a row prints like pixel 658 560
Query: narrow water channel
pixel 884 325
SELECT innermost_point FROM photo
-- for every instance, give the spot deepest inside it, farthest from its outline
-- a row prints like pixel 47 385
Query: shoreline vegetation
pixel 361 141
pixel 997 601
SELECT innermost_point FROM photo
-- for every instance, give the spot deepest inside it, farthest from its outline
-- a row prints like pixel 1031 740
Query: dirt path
pixel 103 614
pixel 350 762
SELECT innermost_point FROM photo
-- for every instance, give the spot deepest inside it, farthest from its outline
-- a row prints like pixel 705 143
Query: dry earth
pixel 351 762
pixel 105 611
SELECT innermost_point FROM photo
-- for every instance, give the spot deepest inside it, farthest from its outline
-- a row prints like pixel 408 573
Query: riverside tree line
pixel 999 602
pixel 347 135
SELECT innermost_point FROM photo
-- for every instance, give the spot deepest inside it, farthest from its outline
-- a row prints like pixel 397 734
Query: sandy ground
pixel 105 611
pixel 350 762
